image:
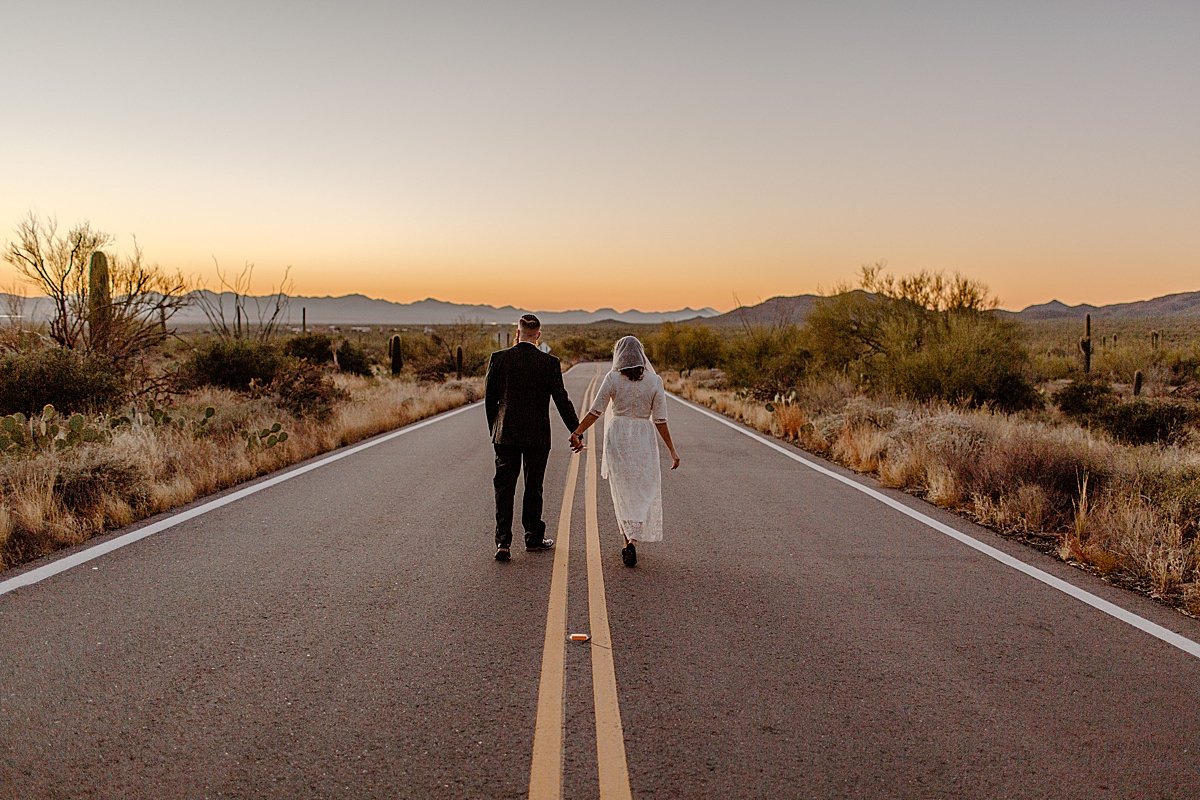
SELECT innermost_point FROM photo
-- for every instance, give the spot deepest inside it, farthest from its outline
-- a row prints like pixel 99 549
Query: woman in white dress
pixel 634 405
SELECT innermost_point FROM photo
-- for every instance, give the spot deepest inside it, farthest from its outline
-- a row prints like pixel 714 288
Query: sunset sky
pixel 650 155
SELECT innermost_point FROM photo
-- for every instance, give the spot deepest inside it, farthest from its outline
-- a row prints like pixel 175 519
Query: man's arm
pixel 493 390
pixel 559 392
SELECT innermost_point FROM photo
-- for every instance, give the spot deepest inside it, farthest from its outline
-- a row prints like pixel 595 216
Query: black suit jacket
pixel 520 384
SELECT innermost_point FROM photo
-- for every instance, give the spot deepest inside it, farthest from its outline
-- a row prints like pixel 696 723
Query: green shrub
pixel 1183 368
pixel 925 337
pixel 701 347
pixel 1082 398
pixel 315 348
pixel 233 363
pixel 420 351
pixel 969 358
pixel 579 348
pixel 304 390
pixel 353 360
pixel 1148 420
pixel 766 360
pixel 66 379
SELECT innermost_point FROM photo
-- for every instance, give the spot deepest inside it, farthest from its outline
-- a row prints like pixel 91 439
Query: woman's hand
pixel 674 460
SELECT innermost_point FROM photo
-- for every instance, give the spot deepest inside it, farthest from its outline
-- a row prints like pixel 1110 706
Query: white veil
pixel 628 352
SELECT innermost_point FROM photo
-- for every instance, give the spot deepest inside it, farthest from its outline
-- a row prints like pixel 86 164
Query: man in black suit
pixel 520 383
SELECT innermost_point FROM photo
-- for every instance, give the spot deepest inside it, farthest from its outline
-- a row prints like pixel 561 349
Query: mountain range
pixel 358 309
pixel 1181 304
pixel 796 308
pixel 355 309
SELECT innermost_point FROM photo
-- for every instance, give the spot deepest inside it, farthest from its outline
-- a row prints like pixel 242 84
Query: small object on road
pixel 580 637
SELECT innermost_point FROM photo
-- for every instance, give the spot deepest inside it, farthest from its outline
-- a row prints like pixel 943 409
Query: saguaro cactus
pixel 1085 344
pixel 458 362
pixel 1155 340
pixel 99 299
pixel 394 353
pixel 1137 383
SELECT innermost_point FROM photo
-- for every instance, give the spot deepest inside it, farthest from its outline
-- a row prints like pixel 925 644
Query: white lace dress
pixel 631 461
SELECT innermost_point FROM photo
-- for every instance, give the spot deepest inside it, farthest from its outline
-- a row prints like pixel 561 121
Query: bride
pixel 634 405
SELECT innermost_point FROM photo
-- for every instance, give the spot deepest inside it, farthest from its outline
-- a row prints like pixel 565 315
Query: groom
pixel 520 383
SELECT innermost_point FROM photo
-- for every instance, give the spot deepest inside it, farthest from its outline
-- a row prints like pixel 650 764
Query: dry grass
pixel 1143 539
pixel 1130 512
pixel 57 499
pixel 861 447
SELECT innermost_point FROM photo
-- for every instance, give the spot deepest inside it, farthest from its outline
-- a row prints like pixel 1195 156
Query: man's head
pixel 529 328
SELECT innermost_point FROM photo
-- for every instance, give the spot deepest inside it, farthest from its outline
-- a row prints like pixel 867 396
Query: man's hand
pixel 576 442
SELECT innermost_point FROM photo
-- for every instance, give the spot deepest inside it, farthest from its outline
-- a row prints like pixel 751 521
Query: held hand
pixel 576 442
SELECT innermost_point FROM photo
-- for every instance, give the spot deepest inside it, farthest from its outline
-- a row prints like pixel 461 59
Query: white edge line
pixel 1154 629
pixel 83 556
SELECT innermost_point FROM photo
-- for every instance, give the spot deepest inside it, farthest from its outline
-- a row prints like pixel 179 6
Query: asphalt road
pixel 346 633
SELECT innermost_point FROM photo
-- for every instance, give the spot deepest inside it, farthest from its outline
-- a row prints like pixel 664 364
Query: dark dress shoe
pixel 502 554
pixel 629 555
pixel 545 544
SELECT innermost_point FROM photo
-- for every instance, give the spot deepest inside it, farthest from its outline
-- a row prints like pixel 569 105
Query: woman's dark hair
pixel 634 373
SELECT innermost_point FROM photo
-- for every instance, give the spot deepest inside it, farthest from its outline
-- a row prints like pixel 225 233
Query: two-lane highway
pixel 346 633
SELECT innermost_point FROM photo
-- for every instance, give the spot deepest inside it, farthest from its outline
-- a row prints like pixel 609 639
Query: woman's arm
pixel 665 433
pixel 584 424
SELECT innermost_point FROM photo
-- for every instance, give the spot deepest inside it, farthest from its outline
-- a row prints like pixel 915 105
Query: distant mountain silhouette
pixel 797 308
pixel 358 309
pixel 1183 304
pixel 776 311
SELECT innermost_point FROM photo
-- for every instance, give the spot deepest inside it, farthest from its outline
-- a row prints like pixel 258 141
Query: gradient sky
pixel 555 155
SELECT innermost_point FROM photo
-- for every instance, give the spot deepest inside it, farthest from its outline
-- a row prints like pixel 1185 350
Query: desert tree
pixel 472 335
pixel 233 299
pixel 924 336
pixel 56 265
pixel 701 347
pixel 113 307
pixel 665 347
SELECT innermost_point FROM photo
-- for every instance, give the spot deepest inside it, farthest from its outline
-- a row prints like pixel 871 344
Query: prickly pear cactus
pixel 200 426
pixel 48 431
pixel 266 438
pixel 13 434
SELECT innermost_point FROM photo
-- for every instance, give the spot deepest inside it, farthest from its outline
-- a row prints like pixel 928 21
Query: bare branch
pixel 269 309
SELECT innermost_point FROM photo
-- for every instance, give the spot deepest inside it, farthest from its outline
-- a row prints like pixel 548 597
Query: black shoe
pixel 629 555
pixel 545 544
pixel 502 554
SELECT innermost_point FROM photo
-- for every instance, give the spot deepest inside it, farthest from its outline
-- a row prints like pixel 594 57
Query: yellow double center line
pixel 546 777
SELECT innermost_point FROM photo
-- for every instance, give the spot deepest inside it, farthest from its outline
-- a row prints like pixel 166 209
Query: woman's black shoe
pixel 629 555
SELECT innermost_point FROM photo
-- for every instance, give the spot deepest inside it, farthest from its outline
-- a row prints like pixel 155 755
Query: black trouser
pixel 508 466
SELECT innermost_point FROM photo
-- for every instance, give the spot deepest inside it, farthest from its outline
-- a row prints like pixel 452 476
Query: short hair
pixel 529 324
